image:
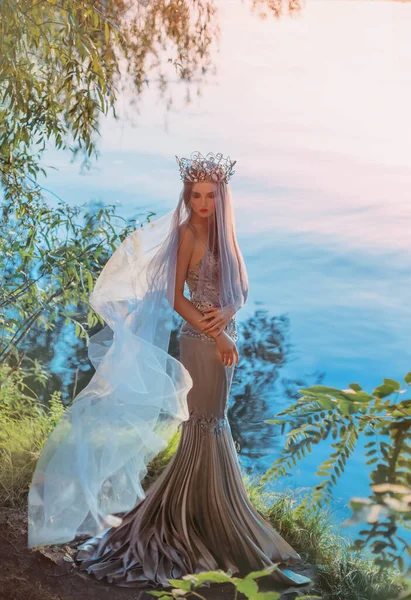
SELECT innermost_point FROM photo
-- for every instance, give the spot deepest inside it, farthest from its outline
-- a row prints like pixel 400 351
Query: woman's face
pixel 202 199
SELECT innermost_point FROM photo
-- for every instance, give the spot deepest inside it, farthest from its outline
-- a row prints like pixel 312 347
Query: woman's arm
pixel 182 304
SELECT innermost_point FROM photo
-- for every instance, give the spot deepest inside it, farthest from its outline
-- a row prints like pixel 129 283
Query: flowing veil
pixel 92 465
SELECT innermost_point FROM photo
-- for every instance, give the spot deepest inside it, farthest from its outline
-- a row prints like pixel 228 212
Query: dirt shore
pixel 51 574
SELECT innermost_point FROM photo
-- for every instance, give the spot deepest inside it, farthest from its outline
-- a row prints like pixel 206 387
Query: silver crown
pixel 212 167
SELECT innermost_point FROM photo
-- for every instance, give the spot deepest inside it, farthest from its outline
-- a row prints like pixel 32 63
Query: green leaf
pixel 262 572
pixel 326 403
pixel 348 408
pixel 247 586
pixel 181 584
pixel 387 388
pixel 89 281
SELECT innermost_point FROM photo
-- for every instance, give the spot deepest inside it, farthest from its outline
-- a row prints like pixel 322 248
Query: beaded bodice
pixel 209 297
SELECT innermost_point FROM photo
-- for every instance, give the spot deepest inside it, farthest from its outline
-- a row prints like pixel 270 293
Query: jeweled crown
pixel 213 167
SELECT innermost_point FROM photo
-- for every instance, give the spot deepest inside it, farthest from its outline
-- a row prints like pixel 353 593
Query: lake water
pixel 315 109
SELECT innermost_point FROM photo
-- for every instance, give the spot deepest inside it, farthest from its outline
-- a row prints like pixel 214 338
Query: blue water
pixel 321 188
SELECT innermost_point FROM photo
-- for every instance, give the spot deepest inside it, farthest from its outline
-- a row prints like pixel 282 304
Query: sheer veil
pixel 92 465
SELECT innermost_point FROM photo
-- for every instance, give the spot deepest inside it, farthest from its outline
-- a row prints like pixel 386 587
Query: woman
pixel 196 516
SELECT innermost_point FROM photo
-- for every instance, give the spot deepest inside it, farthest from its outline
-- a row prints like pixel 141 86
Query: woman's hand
pixel 226 350
pixel 218 318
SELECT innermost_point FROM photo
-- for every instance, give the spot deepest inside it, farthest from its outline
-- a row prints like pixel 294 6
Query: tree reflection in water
pixel 258 390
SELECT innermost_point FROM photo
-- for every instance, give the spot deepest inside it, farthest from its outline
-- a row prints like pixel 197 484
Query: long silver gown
pixel 196 516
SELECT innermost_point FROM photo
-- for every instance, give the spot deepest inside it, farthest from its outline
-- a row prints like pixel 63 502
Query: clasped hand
pixel 218 317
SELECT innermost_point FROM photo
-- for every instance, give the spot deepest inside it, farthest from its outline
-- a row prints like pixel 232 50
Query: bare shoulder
pixel 186 236
pixel 186 241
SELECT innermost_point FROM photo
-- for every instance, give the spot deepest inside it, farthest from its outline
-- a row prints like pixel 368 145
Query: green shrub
pixel 24 427
pixel 382 419
pixel 342 573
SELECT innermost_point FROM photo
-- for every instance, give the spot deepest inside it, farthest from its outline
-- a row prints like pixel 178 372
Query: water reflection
pixel 321 201
pixel 63 356
pixel 258 386
pixel 263 352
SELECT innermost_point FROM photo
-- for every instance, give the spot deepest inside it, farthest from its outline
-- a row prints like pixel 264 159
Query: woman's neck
pixel 199 222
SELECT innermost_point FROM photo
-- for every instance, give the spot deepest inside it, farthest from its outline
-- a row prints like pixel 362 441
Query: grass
pixel 24 428
pixel 342 573
pixel 160 461
pixel 21 441
pixel 20 445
